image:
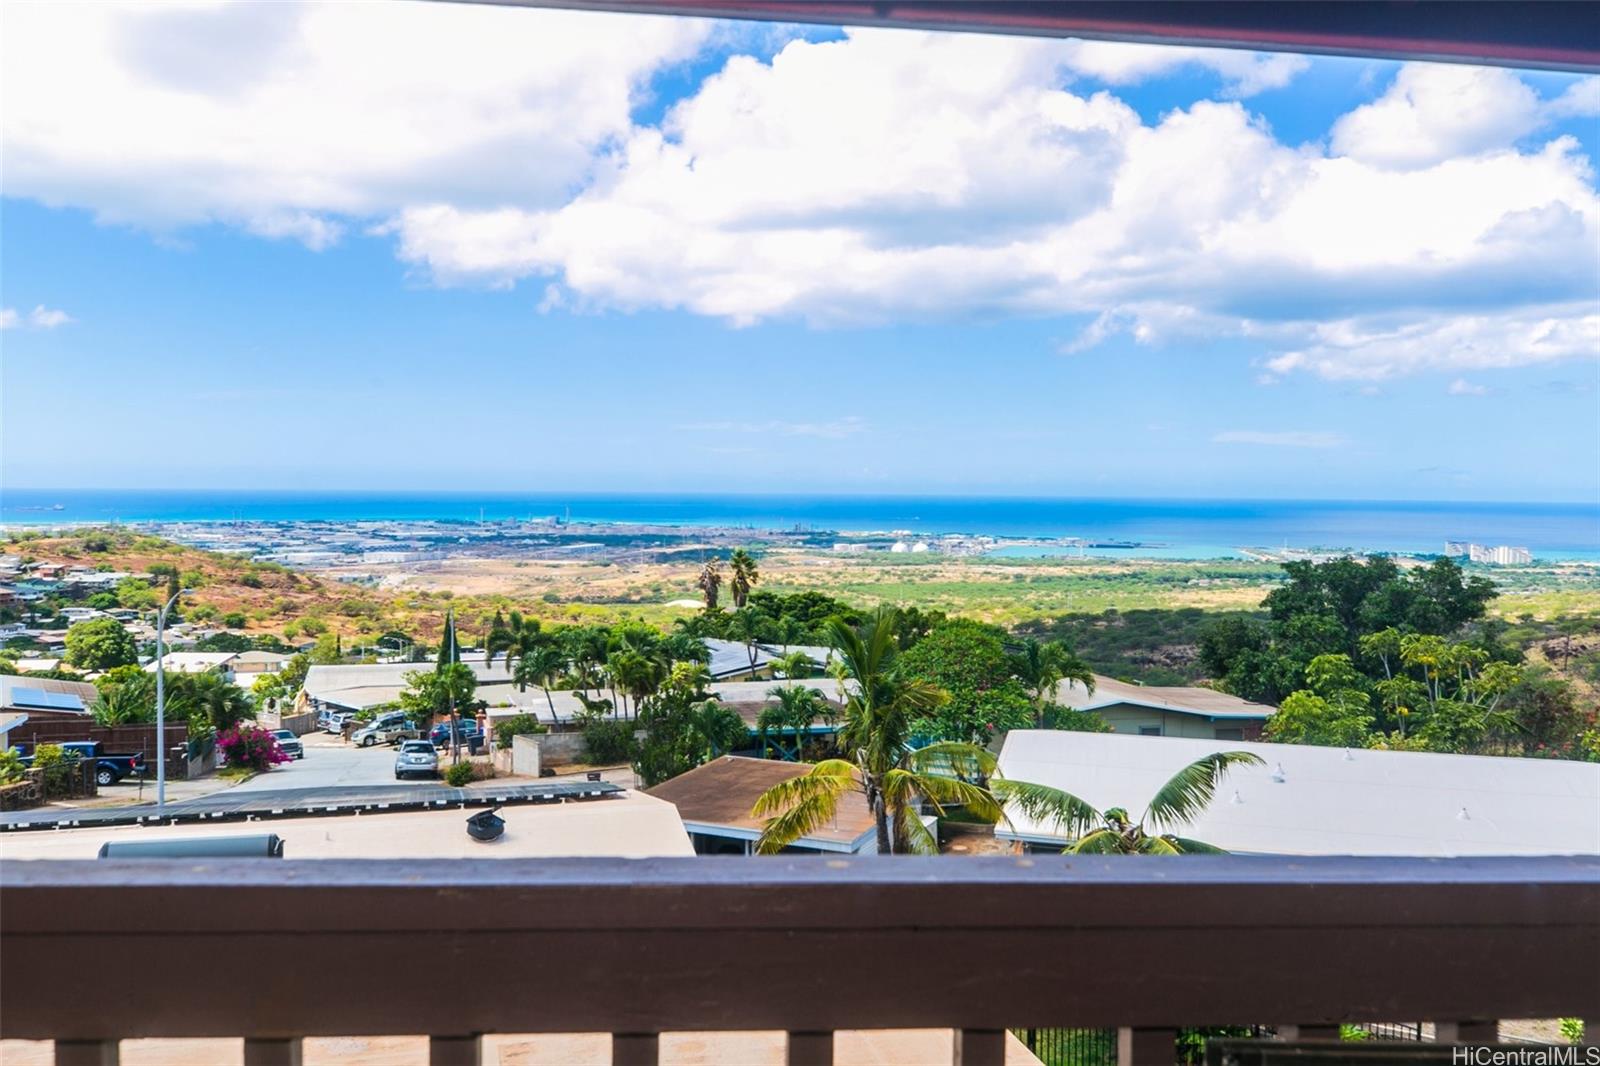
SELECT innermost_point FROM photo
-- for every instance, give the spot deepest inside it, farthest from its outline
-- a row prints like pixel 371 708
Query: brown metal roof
pixel 721 793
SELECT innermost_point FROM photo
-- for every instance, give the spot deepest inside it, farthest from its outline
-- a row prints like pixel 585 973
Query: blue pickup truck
pixel 109 767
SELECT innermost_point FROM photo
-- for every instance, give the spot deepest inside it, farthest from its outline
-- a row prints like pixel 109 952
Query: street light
pixel 161 705
pixel 400 643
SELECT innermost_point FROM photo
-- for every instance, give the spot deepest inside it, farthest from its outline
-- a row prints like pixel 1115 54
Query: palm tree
pixel 515 640
pixel 881 764
pixel 797 664
pixel 745 575
pixel 1113 832
pixel 1040 667
pixel 794 710
pixel 751 627
pixel 710 582
pixel 539 666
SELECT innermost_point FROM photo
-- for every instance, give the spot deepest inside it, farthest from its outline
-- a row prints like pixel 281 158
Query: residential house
pixel 46 698
pixel 1167 710
pixel 715 800
pixel 1309 800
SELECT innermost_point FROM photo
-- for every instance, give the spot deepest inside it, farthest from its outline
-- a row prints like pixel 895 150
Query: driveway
pixel 330 761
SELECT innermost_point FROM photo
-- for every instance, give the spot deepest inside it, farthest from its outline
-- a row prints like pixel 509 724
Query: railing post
pixel 455 1051
pixel 1308 1032
pixel 1147 1047
pixel 265 1052
pixel 980 1047
pixel 810 1048
pixel 1467 1032
pixel 87 1052
pixel 635 1049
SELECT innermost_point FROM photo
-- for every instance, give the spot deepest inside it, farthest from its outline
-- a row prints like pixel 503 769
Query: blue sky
pixel 725 258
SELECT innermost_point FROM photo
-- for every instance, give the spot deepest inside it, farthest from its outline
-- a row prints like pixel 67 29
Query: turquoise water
pixel 1182 528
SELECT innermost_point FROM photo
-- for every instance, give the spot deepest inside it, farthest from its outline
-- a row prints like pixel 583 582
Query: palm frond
pixel 798 821
pixel 956 757
pixel 830 777
pixel 1098 842
pixel 1195 847
pixel 1189 791
pixel 1053 806
pixel 949 791
pixel 1159 845
pixel 917 835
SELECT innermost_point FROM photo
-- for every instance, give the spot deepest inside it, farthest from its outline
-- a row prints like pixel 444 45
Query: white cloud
pixel 284 118
pixel 1373 348
pixel 1243 73
pixel 834 429
pixel 1436 112
pixel 1286 439
pixel 885 176
pixel 1463 387
pixel 41 317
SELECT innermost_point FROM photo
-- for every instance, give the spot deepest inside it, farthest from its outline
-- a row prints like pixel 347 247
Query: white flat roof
pixel 1330 801
pixel 629 826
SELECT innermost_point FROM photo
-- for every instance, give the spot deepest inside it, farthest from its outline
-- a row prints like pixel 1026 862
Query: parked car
pixel 110 767
pixel 386 729
pixel 471 736
pixel 333 721
pixel 416 757
pixel 290 743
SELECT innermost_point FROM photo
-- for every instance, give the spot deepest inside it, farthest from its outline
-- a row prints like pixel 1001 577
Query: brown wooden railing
pixel 275 950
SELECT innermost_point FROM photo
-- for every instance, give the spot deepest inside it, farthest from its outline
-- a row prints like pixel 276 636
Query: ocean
pixel 1171 528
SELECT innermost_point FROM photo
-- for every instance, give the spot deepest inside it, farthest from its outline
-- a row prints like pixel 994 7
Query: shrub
pixel 1572 1030
pixel 458 774
pixel 11 767
pixel 56 766
pixel 608 742
pixel 521 725
pixel 235 620
pixel 250 746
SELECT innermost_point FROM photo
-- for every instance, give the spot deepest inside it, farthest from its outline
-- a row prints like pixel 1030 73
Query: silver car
pixel 416 757
pixel 290 743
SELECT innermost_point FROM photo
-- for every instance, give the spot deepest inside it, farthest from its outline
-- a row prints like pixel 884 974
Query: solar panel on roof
pixel 39 698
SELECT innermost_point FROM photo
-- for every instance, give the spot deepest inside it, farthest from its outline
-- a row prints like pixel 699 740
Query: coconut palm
pixel 710 582
pixel 744 576
pixel 880 763
pixel 1113 831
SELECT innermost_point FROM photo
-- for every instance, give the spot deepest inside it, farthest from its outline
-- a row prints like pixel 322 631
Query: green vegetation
pixel 894 778
pixel 1359 653
pixel 458 775
pixel 100 644
pixel 1183 798
pixel 515 726
pixel 684 726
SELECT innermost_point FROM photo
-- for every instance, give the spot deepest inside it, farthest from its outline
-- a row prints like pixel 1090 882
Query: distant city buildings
pixel 1498 555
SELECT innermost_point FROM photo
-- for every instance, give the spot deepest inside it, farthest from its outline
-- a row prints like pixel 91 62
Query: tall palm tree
pixel 539 666
pixel 880 762
pixel 710 582
pixel 1042 666
pixel 1111 832
pixel 514 639
pixel 744 575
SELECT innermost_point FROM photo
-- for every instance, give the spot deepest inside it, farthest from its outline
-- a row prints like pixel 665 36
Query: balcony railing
pixel 276 950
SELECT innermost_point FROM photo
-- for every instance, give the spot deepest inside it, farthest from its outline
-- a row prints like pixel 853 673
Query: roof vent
pixel 1463 816
pixel 1278 775
pixel 1348 757
pixel 1236 797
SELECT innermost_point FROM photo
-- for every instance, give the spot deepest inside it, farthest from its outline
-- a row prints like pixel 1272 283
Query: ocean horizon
pixel 1172 528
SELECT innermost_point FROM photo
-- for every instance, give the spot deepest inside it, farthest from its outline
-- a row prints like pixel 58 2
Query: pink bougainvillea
pixel 250 746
